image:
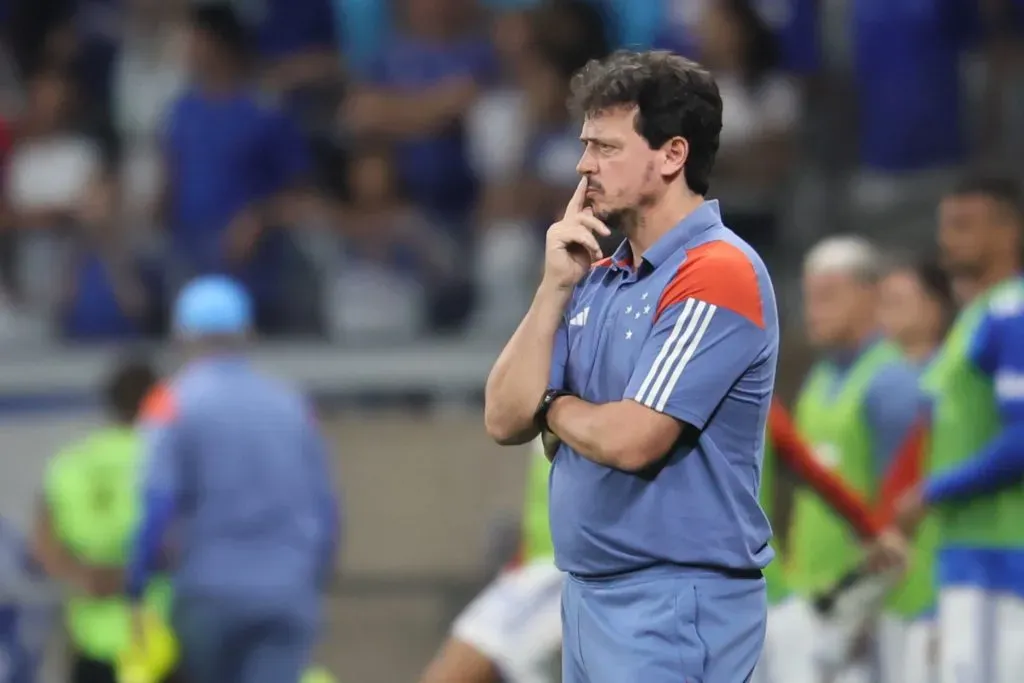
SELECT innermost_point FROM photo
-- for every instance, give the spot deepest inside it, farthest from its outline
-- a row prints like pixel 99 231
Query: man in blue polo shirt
pixel 649 375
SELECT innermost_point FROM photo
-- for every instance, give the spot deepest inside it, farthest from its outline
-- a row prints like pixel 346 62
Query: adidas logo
pixel 580 319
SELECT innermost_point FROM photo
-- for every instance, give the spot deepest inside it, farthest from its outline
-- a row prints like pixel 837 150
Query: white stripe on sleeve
pixel 675 354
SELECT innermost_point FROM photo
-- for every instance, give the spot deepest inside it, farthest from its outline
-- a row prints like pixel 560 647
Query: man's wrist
pixel 547 403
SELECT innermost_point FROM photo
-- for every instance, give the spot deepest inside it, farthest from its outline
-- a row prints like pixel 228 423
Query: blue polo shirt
pixel 691 330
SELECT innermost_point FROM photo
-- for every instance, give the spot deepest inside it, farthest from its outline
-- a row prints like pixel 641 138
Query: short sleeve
pixel 709 330
pixel 893 406
pixel 996 350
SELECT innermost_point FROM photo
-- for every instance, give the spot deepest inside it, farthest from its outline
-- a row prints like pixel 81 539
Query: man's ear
pixel 675 153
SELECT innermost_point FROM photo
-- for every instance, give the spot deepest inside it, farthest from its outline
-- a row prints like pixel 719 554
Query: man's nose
pixel 586 166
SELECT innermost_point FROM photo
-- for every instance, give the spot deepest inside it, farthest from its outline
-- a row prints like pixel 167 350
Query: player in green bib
pixel 975 458
pixel 786 450
pixel 858 404
pixel 87 516
pixel 512 631
pixel 916 307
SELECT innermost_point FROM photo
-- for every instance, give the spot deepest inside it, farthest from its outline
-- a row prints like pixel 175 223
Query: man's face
pixel 906 313
pixel 969 231
pixel 833 302
pixel 623 173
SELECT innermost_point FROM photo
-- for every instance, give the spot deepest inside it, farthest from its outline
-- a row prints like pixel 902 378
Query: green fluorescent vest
pixel 775 572
pixel 537 543
pixel 93 497
pixel 823 546
pixel 965 417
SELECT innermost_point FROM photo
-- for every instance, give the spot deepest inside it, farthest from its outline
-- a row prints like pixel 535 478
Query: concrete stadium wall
pixel 421 496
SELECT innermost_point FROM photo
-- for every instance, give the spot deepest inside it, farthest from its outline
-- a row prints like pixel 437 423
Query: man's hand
pixel 572 243
pixel 887 552
pixel 911 510
pixel 242 236
pixel 103 582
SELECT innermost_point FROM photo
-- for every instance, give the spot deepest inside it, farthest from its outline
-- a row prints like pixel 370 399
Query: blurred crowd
pixel 380 170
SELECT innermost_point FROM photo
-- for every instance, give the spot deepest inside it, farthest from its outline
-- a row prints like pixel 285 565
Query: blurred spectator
pixel 297 44
pixel 104 295
pixel 761 112
pixel 524 147
pixel 417 96
pixel 907 61
pixel 40 33
pixel 393 262
pixel 236 169
pixel 674 25
pixel 52 171
pixel 149 74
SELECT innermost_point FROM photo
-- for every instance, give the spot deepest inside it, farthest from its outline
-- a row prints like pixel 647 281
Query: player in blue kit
pixel 650 374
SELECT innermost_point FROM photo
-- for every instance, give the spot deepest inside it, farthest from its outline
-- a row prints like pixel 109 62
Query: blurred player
pixel 856 407
pixel 975 459
pixel 29 607
pixel 235 460
pixel 916 307
pixel 787 453
pixel 84 525
pixel 512 632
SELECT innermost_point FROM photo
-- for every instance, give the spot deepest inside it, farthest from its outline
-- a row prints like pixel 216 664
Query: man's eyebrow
pixel 599 140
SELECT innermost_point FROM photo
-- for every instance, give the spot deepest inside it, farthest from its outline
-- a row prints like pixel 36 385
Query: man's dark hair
pixel 1002 189
pixel 934 281
pixel 673 96
pixel 222 24
pixel 127 388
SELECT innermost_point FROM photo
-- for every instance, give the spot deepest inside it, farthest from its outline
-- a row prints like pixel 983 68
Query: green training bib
pixel 822 544
pixel 965 417
pixel 537 543
pixel 94 501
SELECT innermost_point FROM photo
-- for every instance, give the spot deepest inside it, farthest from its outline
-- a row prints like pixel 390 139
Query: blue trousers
pixel 236 641
pixel 662 625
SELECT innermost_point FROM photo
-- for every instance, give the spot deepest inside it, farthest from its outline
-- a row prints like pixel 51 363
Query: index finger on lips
pixel 575 204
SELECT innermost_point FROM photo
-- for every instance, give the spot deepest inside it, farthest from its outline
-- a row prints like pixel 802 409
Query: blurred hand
pixel 362 110
pixel 571 246
pixel 241 237
pixel 911 510
pixel 103 582
pixel 887 552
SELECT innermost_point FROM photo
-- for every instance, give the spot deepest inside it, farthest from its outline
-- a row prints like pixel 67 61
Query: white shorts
pixel 981 636
pixel 907 650
pixel 790 643
pixel 517 622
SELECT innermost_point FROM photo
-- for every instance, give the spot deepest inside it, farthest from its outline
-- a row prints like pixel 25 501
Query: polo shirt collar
pixel 705 216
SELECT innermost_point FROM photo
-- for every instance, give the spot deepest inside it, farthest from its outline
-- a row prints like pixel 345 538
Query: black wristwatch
pixel 540 417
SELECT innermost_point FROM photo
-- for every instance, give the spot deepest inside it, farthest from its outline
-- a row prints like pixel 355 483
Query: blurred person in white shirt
pixel 524 146
pixel 52 171
pixel 761 112
pixel 149 74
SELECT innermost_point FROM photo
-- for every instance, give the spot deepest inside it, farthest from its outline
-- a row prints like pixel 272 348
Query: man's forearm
pixel 589 429
pixel 519 378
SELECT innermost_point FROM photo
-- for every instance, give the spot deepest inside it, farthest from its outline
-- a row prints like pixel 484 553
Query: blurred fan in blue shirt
pixel 417 93
pixel 236 166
